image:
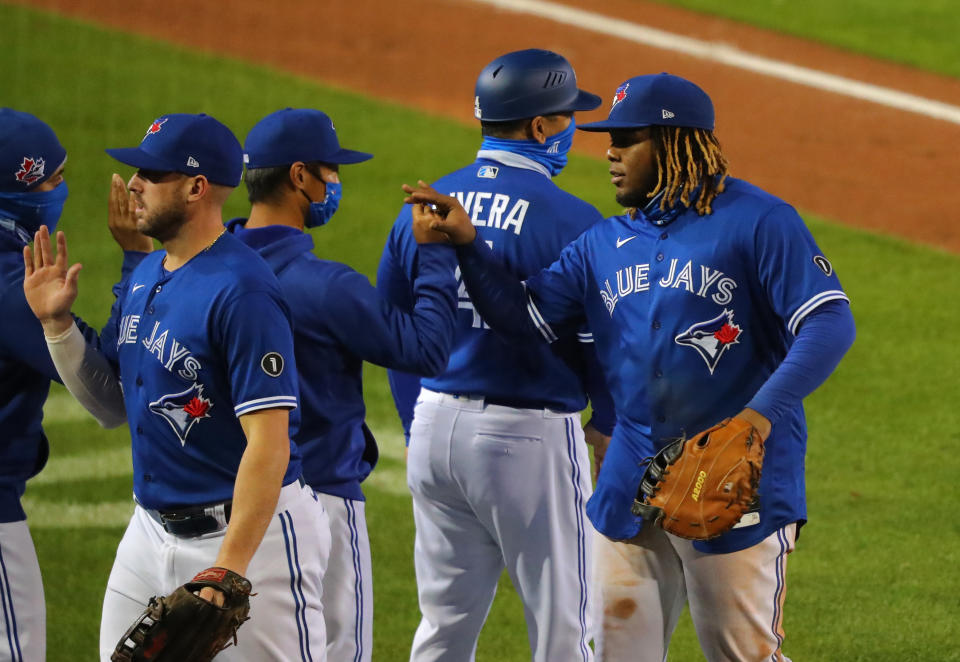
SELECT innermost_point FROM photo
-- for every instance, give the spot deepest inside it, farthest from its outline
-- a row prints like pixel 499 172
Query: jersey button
pixel 662 236
pixel 139 430
pixel 658 374
pixel 139 381
pixel 147 477
pixel 150 310
pixel 659 257
pixel 661 419
pixel 656 324
pixel 160 287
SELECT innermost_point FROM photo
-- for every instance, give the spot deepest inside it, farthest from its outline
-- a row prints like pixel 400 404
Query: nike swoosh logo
pixel 136 287
pixel 621 242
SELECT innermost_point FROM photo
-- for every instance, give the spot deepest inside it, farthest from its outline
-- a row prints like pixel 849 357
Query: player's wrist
pixel 56 327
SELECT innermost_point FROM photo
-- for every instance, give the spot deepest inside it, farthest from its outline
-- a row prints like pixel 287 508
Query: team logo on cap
pixel 620 94
pixel 30 170
pixel 183 410
pixel 155 127
pixel 712 338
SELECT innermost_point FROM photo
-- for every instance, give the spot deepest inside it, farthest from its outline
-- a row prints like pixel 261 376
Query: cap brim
pixel 136 157
pixel 584 101
pixel 609 125
pixel 345 156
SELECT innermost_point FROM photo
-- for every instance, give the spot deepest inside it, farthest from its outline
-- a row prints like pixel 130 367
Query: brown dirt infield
pixel 854 161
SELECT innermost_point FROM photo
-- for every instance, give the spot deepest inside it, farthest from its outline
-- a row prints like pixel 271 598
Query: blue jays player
pixel 202 369
pixel 340 320
pixel 32 193
pixel 707 299
pixel 497 463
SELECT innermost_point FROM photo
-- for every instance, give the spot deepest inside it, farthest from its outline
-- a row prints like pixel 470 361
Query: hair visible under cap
pixel 687 159
pixel 266 185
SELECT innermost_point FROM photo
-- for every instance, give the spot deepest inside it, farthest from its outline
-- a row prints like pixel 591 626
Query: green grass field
pixel 874 576
pixel 922 33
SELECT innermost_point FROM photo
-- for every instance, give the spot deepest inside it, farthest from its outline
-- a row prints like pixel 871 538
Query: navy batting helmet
pixel 528 83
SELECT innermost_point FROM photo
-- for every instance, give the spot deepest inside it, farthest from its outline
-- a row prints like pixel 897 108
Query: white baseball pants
pixel 348 582
pixel 23 624
pixel 736 599
pixel 497 487
pixel 286 616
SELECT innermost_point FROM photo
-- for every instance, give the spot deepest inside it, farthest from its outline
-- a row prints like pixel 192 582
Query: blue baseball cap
pixel 528 83
pixel 189 144
pixel 29 151
pixel 296 134
pixel 657 99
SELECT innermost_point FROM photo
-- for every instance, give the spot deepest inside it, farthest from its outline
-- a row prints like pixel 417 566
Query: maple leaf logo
pixel 30 170
pixel 155 127
pixel 620 94
pixel 197 407
pixel 727 333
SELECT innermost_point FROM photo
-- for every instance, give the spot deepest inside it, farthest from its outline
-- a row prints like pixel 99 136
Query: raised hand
pixel 48 285
pixel 435 213
pixel 122 220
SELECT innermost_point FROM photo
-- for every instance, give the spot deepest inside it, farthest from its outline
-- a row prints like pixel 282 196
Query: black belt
pixel 196 520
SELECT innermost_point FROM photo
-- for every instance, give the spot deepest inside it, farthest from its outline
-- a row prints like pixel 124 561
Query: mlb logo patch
pixel 476 108
pixel 620 94
pixel 488 172
pixel 31 170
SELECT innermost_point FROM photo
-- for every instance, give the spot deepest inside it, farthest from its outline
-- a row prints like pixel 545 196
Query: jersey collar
pixel 513 160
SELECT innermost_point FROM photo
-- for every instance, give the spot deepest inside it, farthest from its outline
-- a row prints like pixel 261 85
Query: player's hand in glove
pixel 699 488
pixel 184 627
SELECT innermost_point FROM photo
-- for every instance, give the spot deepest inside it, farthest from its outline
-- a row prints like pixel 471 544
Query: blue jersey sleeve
pixel 255 337
pixel 395 273
pixel 557 294
pixel 792 270
pixel 418 341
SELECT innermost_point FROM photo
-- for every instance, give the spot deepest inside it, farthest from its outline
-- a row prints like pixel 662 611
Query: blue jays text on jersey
pixel 526 220
pixel 195 348
pixel 340 320
pixel 690 319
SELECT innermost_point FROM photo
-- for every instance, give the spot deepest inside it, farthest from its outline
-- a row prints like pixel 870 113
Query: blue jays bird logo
pixel 620 94
pixel 30 170
pixel 155 127
pixel 183 410
pixel 712 338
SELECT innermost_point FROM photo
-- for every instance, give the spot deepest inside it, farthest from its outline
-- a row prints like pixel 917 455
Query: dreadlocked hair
pixel 688 158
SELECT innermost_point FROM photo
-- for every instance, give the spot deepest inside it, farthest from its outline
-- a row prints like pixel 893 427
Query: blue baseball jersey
pixel 195 348
pixel 25 373
pixel 339 321
pixel 691 315
pixel 526 220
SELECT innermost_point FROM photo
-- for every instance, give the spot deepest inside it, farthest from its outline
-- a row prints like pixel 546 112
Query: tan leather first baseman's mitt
pixel 183 627
pixel 699 488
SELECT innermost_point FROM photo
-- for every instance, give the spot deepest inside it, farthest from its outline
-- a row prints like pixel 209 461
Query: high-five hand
pixel 438 213
pixel 48 285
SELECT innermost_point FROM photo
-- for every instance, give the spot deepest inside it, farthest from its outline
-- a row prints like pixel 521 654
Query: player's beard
pixel 164 224
pixel 634 199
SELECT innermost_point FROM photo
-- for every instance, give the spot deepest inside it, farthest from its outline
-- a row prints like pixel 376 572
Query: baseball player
pixel 203 352
pixel 340 320
pixel 707 299
pixel 497 463
pixel 32 193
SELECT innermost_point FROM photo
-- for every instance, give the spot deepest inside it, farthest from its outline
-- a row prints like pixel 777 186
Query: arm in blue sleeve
pixel 499 296
pixel 376 331
pixel 823 338
pixel 604 415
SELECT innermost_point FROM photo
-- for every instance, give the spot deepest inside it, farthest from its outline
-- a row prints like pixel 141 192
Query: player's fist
pixel 439 213
pixel 122 220
pixel 49 287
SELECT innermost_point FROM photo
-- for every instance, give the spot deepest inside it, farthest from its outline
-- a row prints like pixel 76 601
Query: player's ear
pixel 536 130
pixel 199 187
pixel 298 175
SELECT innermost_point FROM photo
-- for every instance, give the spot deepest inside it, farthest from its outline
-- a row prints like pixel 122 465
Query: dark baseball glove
pixel 183 627
pixel 699 488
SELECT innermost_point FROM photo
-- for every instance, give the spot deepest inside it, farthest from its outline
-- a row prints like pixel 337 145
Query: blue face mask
pixel 320 212
pixel 552 154
pixel 31 210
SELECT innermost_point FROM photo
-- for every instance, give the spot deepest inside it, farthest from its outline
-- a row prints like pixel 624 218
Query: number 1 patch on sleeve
pixel 272 364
